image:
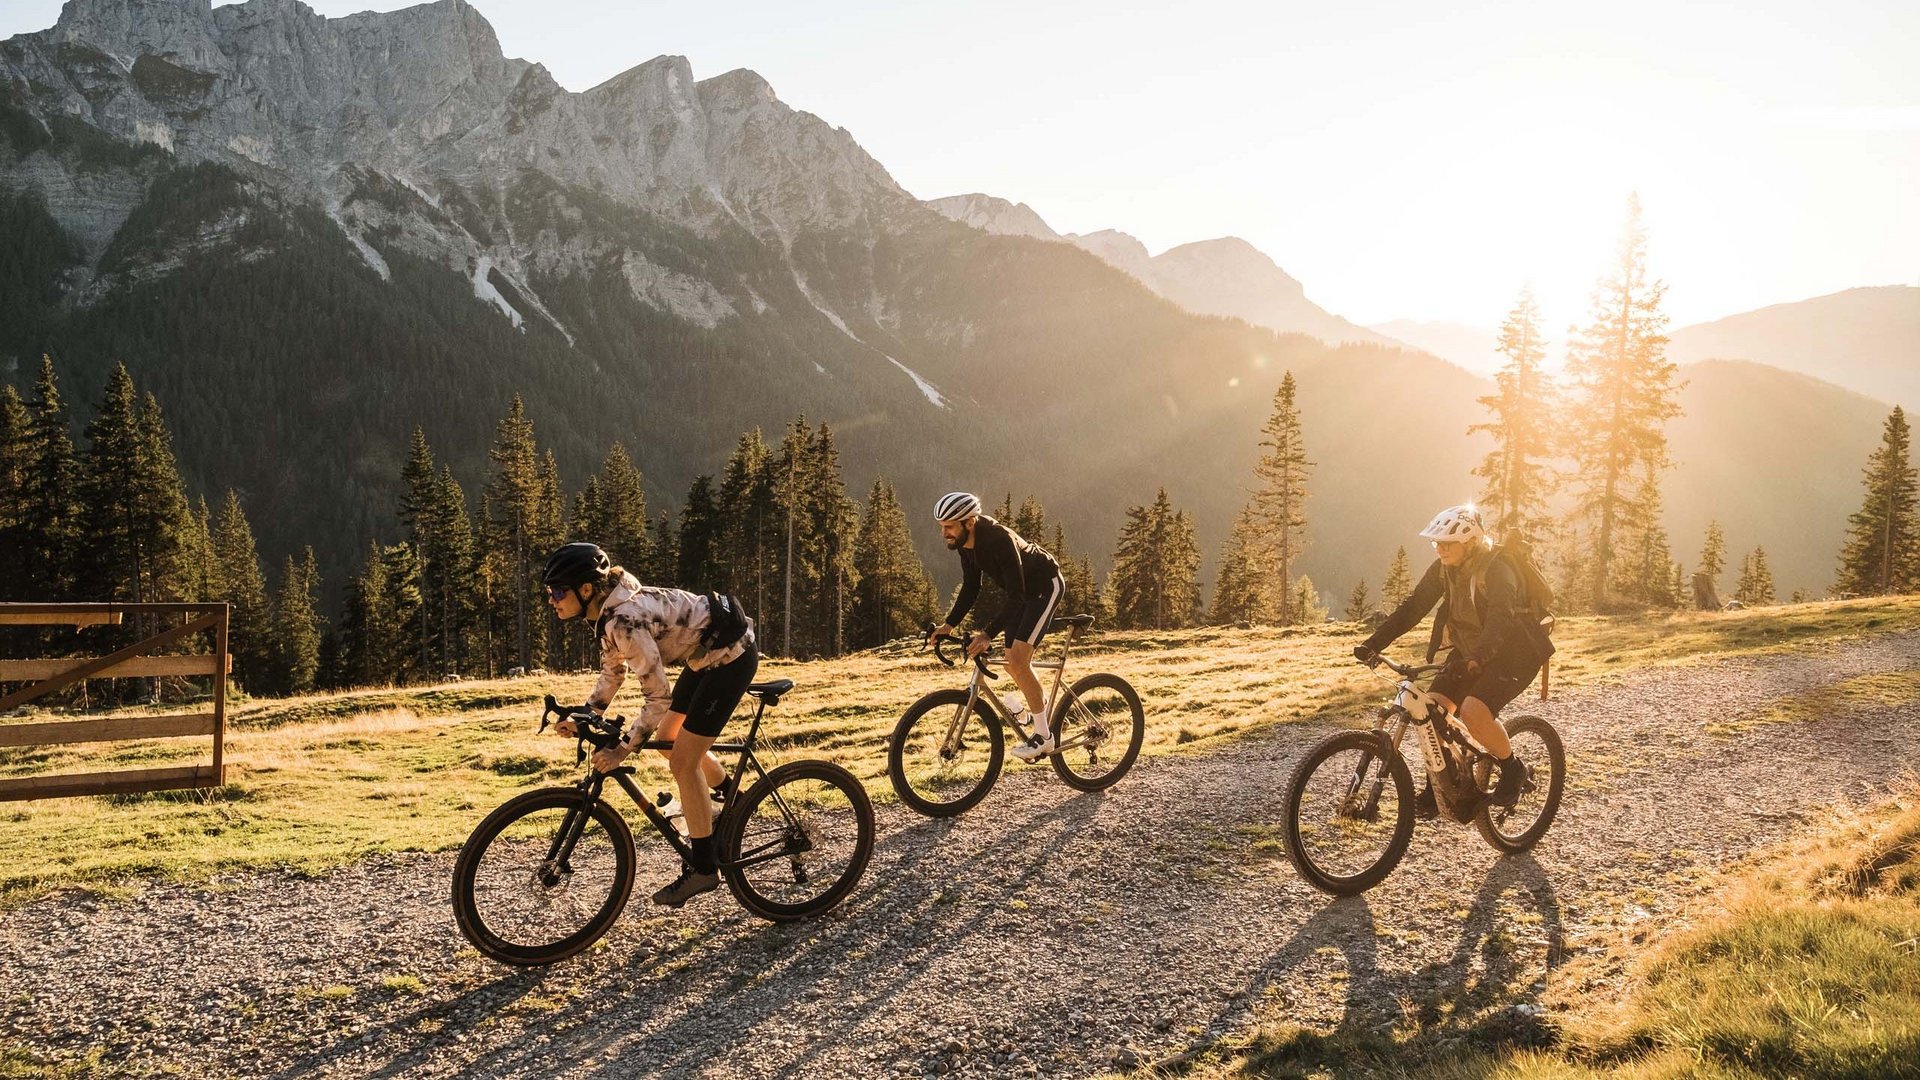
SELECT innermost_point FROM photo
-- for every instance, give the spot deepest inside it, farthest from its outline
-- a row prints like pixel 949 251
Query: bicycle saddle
pixel 769 692
pixel 1072 620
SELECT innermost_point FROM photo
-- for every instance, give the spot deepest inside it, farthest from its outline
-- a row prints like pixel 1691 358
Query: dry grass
pixel 319 780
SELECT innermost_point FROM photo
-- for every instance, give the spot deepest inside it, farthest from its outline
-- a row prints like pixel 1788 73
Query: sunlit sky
pixel 1403 160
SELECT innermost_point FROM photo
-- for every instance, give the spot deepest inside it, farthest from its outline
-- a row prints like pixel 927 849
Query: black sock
pixel 704 861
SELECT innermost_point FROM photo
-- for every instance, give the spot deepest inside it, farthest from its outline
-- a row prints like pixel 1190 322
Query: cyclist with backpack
pixel 1490 620
pixel 644 629
pixel 1032 581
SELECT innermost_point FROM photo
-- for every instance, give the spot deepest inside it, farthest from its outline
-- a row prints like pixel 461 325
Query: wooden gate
pixel 135 661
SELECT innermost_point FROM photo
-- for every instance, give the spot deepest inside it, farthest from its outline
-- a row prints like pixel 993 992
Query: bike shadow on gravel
pixel 1472 993
pixel 928 905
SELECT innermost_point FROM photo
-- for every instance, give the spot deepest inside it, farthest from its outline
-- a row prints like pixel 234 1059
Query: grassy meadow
pixel 318 781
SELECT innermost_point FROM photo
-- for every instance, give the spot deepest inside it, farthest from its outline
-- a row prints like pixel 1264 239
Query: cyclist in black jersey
pixel 1033 586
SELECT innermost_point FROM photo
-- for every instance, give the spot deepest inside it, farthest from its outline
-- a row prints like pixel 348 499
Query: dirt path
pixel 1046 933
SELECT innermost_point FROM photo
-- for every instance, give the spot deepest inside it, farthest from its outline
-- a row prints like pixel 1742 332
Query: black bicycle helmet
pixel 573 565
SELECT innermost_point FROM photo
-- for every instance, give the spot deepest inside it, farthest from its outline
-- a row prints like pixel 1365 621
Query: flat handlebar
pixel 1406 671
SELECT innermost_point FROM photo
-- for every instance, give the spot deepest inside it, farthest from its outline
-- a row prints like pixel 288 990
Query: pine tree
pixel 1240 591
pixel 1307 605
pixel 238 581
pixel 1882 551
pixel 297 628
pixel 1357 603
pixel 51 497
pixel 450 574
pixel 419 491
pixel 894 590
pixel 1076 571
pixel 138 519
pixel 1756 580
pixel 662 565
pixel 697 545
pixel 1399 583
pixel 1154 583
pixel 367 627
pixel 1625 395
pixel 1279 503
pixel 749 526
pixel 1518 479
pixel 1713 554
pixel 15 474
pixel 513 531
pixel 616 512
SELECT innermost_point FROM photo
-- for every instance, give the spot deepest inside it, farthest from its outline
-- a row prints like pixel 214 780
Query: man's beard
pixel 954 544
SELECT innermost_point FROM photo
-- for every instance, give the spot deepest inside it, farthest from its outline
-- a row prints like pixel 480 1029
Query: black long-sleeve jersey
pixel 1022 568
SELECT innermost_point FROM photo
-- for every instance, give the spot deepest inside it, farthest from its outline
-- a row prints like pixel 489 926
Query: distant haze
pixel 1404 161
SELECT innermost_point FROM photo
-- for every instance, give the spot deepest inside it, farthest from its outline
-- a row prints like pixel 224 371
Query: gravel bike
pixel 947 750
pixel 1350 804
pixel 546 874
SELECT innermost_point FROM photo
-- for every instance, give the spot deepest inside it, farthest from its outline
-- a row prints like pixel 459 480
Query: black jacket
pixel 1023 569
pixel 1499 605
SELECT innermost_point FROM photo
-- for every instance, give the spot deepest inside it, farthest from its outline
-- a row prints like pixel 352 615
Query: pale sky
pixel 1401 159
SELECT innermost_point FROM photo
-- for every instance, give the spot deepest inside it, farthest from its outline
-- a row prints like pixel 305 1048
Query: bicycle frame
pixel 1413 706
pixel 594 783
pixel 977 691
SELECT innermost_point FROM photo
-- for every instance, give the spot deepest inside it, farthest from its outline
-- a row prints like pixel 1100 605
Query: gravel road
pixel 1046 933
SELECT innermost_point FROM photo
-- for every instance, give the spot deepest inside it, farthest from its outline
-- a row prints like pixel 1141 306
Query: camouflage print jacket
pixel 644 629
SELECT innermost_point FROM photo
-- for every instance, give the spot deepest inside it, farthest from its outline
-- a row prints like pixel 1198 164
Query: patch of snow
pixel 484 290
pixel 927 388
pixel 370 256
pixel 760 307
pixel 818 368
pixel 418 190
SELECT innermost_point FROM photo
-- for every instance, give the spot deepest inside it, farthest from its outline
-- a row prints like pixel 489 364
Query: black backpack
pixel 1536 598
pixel 726 622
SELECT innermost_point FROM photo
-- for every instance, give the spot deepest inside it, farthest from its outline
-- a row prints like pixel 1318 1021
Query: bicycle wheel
pixel 1100 726
pixel 798 842
pixel 1537 746
pixel 1342 838
pixel 542 877
pixel 941 761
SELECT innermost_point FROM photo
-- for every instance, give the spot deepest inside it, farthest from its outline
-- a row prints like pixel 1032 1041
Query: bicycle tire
pixel 758 822
pixel 1369 744
pixel 1515 843
pixel 545 889
pixel 959 792
pixel 1066 763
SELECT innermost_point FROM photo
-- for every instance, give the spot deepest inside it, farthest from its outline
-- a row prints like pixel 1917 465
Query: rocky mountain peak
pixel 994 215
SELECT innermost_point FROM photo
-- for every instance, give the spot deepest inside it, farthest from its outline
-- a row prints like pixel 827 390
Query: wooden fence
pixel 134 661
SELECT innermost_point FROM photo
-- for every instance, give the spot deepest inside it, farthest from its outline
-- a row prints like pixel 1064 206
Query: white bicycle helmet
pixel 956 506
pixel 1455 523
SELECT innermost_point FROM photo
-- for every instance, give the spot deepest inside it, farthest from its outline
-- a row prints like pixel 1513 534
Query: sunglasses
pixel 558 592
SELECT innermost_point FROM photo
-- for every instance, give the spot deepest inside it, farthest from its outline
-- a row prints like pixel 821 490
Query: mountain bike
pixel 546 874
pixel 1350 804
pixel 947 750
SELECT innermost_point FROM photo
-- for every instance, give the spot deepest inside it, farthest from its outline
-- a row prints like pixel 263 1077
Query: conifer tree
pixel 367 628
pixel 697 545
pixel 1523 426
pixel 662 565
pixel 237 580
pixel 15 473
pixel 1154 583
pixel 1713 554
pixel 894 590
pixel 1240 592
pixel 138 519
pixel 297 628
pixel 1076 571
pixel 450 573
pixel 748 527
pixel 1756 580
pixel 1357 603
pixel 617 512
pixel 1882 551
pixel 52 495
pixel 514 525
pixel 1399 584
pixel 420 489
pixel 1625 394
pixel 1307 605
pixel 832 527
pixel 1279 503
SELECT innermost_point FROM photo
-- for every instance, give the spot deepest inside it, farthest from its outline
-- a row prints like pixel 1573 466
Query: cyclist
pixel 644 629
pixel 1033 586
pixel 1493 658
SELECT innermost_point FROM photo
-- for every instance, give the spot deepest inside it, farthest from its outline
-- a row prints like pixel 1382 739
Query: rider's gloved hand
pixel 569 725
pixel 937 632
pixel 977 645
pixel 1365 655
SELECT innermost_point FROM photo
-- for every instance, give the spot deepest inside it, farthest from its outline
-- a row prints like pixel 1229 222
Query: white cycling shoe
pixel 1036 748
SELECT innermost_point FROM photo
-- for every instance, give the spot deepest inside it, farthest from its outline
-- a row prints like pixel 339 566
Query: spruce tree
pixel 1357 603
pixel 238 581
pixel 52 496
pixel 1279 503
pixel 1399 583
pixel 420 489
pixel 1713 554
pixel 617 512
pixel 451 574
pixel 1523 426
pixel 296 628
pixel 1307 605
pixel 749 526
pixel 514 521
pixel 16 576
pixel 662 565
pixel 366 625
pixel 1154 583
pixel 1625 394
pixel 697 544
pixel 1240 592
pixel 894 589
pixel 1756 580
pixel 1882 551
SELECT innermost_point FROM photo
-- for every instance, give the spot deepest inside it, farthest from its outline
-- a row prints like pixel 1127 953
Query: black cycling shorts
pixel 708 697
pixel 1497 684
pixel 1030 625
